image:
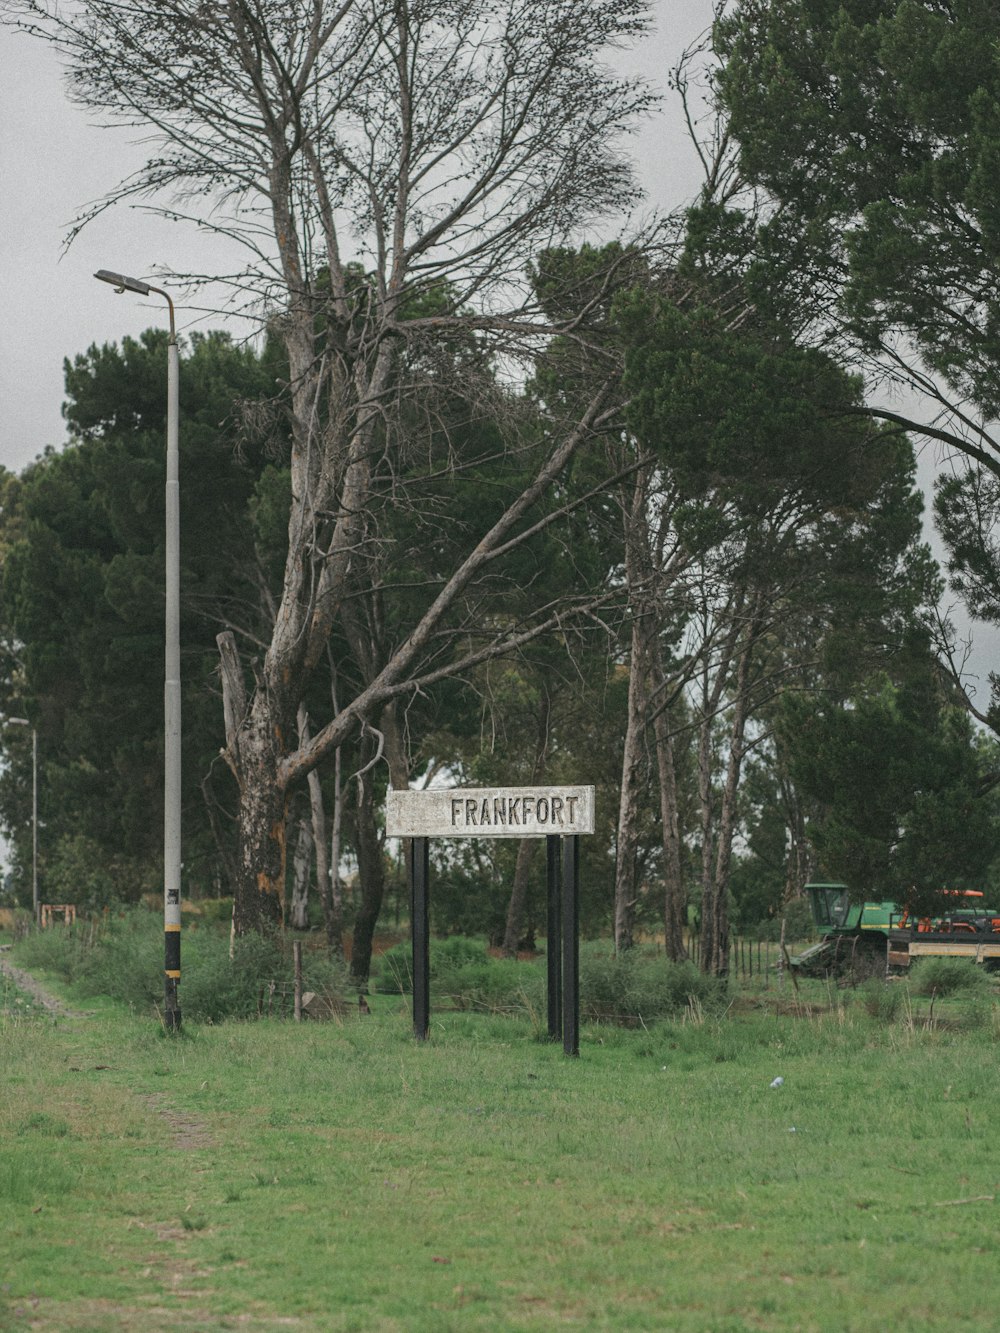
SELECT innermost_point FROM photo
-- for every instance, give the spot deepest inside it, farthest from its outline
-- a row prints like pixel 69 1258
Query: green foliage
pixel 124 960
pixel 216 988
pixel 81 596
pixel 966 510
pixel 78 870
pixel 784 482
pixel 760 917
pixel 883 1001
pixel 872 130
pixel 949 976
pixel 874 123
pixel 471 886
pixel 447 956
pixel 494 985
pixel 632 988
pixel 799 924
pixel 749 408
pixel 926 821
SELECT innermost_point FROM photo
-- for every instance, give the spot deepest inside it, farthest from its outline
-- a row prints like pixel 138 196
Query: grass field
pixel 340 1176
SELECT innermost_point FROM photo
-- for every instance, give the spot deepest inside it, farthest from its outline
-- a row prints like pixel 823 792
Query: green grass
pixel 334 1177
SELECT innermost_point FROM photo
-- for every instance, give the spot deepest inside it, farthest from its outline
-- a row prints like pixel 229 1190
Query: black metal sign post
pixel 420 929
pixel 560 815
pixel 571 946
pixel 553 934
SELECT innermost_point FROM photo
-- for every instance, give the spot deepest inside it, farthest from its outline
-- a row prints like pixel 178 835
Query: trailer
pixel 860 936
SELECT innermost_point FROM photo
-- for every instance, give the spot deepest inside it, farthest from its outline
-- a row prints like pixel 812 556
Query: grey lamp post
pixel 172 673
pixel 23 722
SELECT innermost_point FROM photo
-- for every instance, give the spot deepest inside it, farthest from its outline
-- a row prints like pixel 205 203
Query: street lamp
pixel 23 722
pixel 172 673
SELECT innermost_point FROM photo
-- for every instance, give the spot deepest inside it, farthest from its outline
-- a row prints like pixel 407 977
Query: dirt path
pixel 25 982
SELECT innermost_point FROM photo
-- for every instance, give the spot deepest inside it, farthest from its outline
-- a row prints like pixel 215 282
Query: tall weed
pixel 447 958
pixel 636 987
pixel 949 976
pixel 882 1001
pixel 124 960
pixel 630 989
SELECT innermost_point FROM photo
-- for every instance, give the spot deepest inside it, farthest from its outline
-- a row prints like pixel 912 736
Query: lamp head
pixel 121 283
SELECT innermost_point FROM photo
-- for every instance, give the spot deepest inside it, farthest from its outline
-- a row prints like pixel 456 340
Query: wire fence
pixel 748 959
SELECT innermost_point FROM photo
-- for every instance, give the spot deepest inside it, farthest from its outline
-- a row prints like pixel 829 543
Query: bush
pixel 948 976
pixel 635 987
pixel 216 987
pixel 124 960
pixel 882 1001
pixel 496 984
pixel 447 957
pixel 629 989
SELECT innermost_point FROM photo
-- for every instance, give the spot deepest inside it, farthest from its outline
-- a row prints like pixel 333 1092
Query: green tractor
pixel 854 936
pixel 861 938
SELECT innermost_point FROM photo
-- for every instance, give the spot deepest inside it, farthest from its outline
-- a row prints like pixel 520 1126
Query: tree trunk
pixel 260 904
pixel 330 900
pixel 518 897
pixel 630 801
pixel 707 925
pixel 799 862
pixel 714 925
pixel 371 871
pixel 301 866
pixel 674 893
pixel 514 926
pixel 224 847
pixel 716 941
pixel 644 621
pixel 371 874
pixel 335 923
pixel 254 745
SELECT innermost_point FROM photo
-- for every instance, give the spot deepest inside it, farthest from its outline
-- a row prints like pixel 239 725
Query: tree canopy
pixel 873 125
pixel 81 598
pixel 869 134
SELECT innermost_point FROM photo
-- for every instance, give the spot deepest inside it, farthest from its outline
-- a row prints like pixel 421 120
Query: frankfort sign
pixel 490 812
pixel 557 814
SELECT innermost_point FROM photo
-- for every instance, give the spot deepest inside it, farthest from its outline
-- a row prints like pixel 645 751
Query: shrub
pixel 216 987
pixel 447 957
pixel 124 960
pixel 635 987
pixel 59 950
pixel 631 988
pixel 393 974
pixel 948 976
pixel 882 1001
pixel 496 984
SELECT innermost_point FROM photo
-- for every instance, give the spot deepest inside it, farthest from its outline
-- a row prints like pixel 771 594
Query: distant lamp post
pixel 23 722
pixel 172 672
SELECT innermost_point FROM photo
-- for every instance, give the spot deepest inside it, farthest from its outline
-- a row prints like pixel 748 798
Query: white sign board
pixel 490 812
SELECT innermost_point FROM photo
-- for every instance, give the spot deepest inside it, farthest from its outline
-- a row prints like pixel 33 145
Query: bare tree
pixel 368 154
